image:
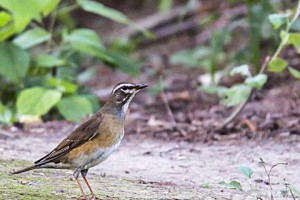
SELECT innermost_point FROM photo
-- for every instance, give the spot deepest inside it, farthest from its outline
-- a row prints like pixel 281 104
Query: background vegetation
pixel 44 51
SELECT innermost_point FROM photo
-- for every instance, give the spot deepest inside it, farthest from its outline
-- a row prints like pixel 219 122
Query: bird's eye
pixel 124 88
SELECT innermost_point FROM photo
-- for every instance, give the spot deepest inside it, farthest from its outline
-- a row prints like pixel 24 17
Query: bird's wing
pixel 79 136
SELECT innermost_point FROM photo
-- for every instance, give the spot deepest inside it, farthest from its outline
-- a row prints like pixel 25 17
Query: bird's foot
pixel 83 198
pixel 88 198
pixel 94 198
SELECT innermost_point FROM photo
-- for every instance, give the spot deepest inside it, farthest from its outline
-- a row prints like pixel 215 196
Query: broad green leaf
pixel 294 39
pixel 231 185
pixel 213 89
pixel 48 6
pixel 205 185
pixel 235 95
pixel 191 58
pixel 246 171
pixel 277 65
pixel 23 13
pixel 100 9
pixel 94 100
pixel 279 19
pixel 75 108
pixel 83 38
pixel 62 85
pixel 49 61
pixel 87 41
pixel 294 72
pixel 5 114
pixel 4 18
pixel 37 101
pixel 257 81
pixel 6 31
pixel 120 61
pixel 14 62
pixel 165 5
pixel 31 38
pixel 243 70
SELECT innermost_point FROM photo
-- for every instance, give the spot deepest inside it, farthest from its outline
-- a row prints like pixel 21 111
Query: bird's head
pixel 122 94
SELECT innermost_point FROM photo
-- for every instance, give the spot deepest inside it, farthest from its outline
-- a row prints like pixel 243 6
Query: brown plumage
pixel 93 141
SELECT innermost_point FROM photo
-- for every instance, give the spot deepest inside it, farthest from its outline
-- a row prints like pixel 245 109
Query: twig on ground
pixel 170 113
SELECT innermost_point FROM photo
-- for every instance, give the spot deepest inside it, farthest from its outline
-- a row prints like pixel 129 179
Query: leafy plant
pixel 248 173
pixel 239 93
pixel 40 61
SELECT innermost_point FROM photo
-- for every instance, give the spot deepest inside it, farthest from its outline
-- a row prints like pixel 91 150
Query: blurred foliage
pixel 41 50
pixel 220 55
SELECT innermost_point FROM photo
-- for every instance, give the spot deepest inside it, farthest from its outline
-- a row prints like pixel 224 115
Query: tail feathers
pixel 25 169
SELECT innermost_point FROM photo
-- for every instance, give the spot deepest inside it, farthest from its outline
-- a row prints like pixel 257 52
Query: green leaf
pixel 4 18
pixel 277 65
pixel 165 5
pixel 31 38
pixel 62 85
pixel 294 39
pixel 14 62
pixel 23 13
pixel 213 89
pixel 83 38
pixel 235 95
pixel 278 20
pixel 48 6
pixel 100 9
pixel 5 114
pixel 191 58
pixel 294 72
pixel 257 81
pixel 49 61
pixel 205 185
pixel 37 101
pixel 246 171
pixel 75 108
pixel 242 69
pixel 87 41
pixel 231 185
pixel 94 101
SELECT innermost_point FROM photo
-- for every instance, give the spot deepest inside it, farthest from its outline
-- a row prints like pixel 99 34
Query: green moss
pixel 57 184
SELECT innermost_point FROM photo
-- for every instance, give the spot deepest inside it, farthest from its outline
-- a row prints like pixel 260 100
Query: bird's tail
pixel 25 169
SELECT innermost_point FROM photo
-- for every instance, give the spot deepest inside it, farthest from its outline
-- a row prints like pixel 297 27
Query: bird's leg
pixel 83 174
pixel 76 176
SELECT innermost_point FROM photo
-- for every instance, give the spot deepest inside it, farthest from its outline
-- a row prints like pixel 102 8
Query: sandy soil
pixel 145 168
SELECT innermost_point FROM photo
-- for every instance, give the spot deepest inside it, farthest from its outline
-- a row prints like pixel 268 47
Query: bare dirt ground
pixel 147 168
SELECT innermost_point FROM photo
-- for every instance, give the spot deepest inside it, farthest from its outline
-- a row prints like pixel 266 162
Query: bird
pixel 94 140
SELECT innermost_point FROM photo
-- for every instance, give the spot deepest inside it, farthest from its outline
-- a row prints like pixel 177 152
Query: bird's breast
pixel 96 150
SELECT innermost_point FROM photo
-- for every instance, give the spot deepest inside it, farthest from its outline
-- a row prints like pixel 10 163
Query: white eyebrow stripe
pixel 121 85
pixel 129 91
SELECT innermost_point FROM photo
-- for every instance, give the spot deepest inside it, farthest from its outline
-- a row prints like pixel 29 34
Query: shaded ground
pixel 145 168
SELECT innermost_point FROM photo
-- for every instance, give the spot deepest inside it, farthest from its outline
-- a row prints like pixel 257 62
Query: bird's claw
pixel 88 198
pixel 83 198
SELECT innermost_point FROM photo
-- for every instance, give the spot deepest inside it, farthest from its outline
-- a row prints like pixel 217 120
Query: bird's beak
pixel 140 86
